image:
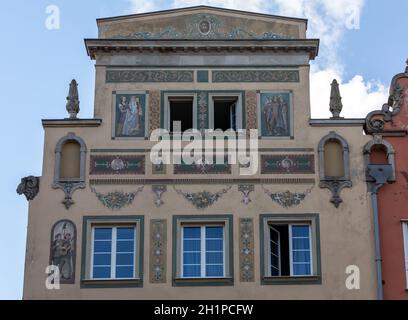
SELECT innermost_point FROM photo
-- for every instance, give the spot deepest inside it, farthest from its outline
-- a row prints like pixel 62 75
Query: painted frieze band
pixel 118 76
pixel 113 164
pixel 255 76
pixel 287 164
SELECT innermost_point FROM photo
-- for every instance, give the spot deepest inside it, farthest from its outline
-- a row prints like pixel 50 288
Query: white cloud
pixel 327 20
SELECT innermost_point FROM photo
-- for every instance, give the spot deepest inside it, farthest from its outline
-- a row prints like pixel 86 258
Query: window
pixel 290 250
pixel 113 254
pixel 182 108
pixel 405 231
pixel 225 111
pixel 202 250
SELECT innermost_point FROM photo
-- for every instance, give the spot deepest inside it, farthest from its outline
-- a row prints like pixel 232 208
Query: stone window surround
pixel 334 137
pixel 227 94
pixel 88 223
pixel 58 150
pixel 313 219
pixel 368 148
pixel 227 221
pixel 167 96
pixel 334 184
pixel 72 184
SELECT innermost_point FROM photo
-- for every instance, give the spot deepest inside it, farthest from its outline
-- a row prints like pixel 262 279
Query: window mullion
pixel 290 250
pixel 203 252
pixel 113 253
pixel 92 250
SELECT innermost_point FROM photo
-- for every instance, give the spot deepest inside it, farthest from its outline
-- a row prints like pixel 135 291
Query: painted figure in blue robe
pixel 132 113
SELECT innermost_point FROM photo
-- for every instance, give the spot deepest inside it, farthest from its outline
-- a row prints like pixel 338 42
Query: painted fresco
pixel 275 112
pixel 62 255
pixel 130 112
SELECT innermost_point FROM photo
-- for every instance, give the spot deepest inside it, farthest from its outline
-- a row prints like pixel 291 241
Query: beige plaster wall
pixel 346 234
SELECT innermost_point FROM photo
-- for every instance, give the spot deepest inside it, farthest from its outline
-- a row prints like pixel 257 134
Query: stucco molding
pixel 69 186
pixel 334 184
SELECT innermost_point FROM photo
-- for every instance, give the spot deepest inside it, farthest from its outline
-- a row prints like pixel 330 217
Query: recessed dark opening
pixel 225 114
pixel 284 248
pixel 181 110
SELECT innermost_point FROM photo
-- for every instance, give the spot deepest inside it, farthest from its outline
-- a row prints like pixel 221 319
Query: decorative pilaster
pixel 158 253
pixel 246 250
pixel 251 110
pixel 154 110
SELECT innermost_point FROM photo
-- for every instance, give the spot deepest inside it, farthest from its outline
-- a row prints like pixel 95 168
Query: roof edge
pixel 129 16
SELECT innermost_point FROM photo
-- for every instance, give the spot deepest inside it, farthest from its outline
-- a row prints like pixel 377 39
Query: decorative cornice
pixel 214 181
pixel 62 123
pixel 341 122
pixel 108 46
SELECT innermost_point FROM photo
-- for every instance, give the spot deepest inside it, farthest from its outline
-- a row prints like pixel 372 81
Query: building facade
pixel 387 151
pixel 119 224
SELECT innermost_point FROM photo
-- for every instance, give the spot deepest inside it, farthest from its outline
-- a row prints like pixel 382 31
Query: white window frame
pixel 268 247
pixel 168 97
pixel 113 252
pixel 405 236
pixel 290 225
pixel 203 250
pixel 238 107
pixel 270 252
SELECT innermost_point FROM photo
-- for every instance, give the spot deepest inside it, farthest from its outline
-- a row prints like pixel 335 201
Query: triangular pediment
pixel 202 23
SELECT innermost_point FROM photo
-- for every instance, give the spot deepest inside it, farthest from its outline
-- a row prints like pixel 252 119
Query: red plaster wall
pixel 393 206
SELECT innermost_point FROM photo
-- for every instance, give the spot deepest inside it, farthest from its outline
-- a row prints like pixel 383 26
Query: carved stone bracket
pixel 158 191
pixel 246 189
pixel 335 186
pixel 68 187
pixel 29 186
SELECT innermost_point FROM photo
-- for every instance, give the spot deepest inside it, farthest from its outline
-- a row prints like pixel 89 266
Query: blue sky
pixel 38 64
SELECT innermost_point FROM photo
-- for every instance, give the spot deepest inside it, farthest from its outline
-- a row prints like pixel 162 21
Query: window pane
pixel 214 245
pixel 301 256
pixel 214 270
pixel 103 234
pixel 125 246
pixel 124 259
pixel 214 257
pixel 125 233
pixel 191 271
pixel 101 272
pixel 301 270
pixel 214 232
pixel 191 258
pixel 191 245
pixel 300 231
pixel 300 243
pixel 124 272
pixel 102 246
pixel 275 272
pixel 192 232
pixel 103 259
